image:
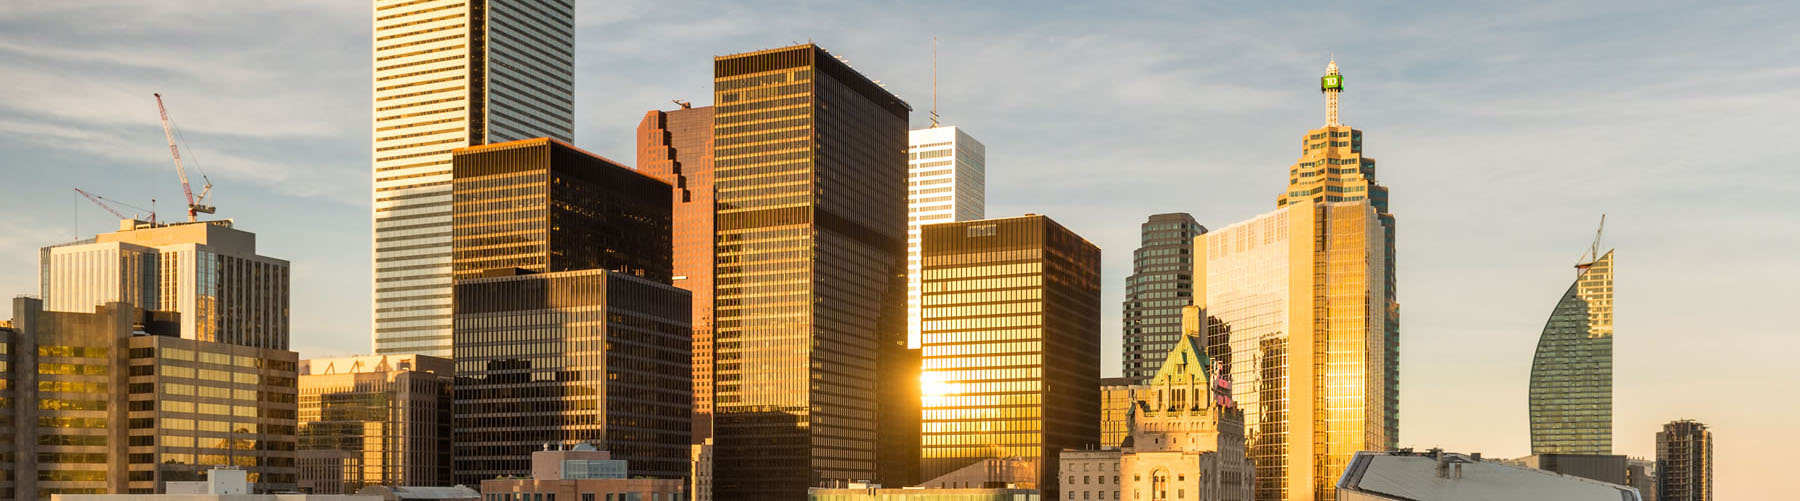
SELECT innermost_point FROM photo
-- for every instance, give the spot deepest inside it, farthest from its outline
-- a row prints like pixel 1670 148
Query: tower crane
pixel 194 207
pixel 101 201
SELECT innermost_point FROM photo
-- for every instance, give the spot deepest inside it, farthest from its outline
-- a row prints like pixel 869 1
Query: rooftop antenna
pixel 934 113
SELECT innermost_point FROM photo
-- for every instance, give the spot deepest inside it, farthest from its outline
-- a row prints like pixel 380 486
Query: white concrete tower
pixel 450 74
pixel 946 182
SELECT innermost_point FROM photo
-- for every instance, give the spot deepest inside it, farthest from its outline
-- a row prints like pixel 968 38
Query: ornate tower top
pixel 1331 84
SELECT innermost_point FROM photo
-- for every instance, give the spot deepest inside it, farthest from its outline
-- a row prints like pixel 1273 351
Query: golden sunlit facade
pixel 374 420
pixel 1300 311
pixel 1010 338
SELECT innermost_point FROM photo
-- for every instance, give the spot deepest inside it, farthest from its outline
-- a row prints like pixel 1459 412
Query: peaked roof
pixel 1186 359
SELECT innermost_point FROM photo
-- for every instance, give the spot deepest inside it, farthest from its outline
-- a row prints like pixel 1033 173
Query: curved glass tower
pixel 1571 375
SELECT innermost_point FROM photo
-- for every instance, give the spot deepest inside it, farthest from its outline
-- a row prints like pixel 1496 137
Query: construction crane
pixel 1593 253
pixel 194 207
pixel 101 201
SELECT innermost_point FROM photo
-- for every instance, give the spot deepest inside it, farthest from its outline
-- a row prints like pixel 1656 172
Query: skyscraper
pixel 1160 285
pixel 1684 462
pixel 946 174
pixel 1571 374
pixel 374 420
pixel 1298 307
pixel 449 74
pixel 112 401
pixel 566 328
pixel 809 162
pixel 1010 344
pixel 676 148
pixel 207 272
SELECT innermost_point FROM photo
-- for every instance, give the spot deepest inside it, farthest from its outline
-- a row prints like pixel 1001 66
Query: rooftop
pixel 1410 476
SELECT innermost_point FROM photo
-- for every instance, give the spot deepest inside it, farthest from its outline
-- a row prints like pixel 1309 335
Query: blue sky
pixel 1503 129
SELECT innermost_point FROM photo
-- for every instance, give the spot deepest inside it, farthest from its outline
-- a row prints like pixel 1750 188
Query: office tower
pixel 675 147
pixel 207 272
pixel 450 74
pixel 1684 462
pixel 811 365
pixel 1115 406
pixel 112 401
pixel 540 205
pixel 1160 285
pixel 1297 305
pixel 566 329
pixel 1571 374
pixel 374 420
pixel 573 357
pixel 1010 344
pixel 946 178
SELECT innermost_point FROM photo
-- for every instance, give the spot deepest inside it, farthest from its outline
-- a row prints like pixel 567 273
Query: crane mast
pixel 193 207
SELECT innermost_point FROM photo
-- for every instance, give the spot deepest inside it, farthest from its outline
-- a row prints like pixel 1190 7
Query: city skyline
pixel 1449 243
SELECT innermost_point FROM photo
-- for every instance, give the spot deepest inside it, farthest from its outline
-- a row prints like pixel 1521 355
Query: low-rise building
pixel 582 473
pixel 1437 475
pixel 857 491
pixel 221 484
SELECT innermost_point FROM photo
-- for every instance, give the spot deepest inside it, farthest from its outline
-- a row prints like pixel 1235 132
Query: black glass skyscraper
pixel 809 164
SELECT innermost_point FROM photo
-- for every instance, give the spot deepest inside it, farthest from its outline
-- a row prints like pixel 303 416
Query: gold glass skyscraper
pixel 811 365
pixel 1011 345
pixel 1571 374
pixel 1300 311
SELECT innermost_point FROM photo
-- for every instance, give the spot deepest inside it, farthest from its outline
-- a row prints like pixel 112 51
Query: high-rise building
pixel 676 148
pixel 567 330
pixel 450 74
pixel 811 367
pixel 1298 307
pixel 565 358
pixel 1160 285
pixel 1116 397
pixel 1010 344
pixel 946 178
pixel 112 401
pixel 540 205
pixel 207 272
pixel 1684 462
pixel 1571 374
pixel 374 420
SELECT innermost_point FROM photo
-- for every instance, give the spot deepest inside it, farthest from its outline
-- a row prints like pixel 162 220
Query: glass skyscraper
pixel 676 147
pixel 1571 374
pixel 1160 285
pixel 450 74
pixel 946 177
pixel 1299 310
pixel 1010 344
pixel 811 364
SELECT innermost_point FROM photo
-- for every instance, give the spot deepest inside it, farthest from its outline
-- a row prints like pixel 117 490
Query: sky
pixel 1503 129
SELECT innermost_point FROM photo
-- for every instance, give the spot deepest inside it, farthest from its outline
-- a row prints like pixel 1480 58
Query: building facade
pixel 1298 309
pixel 582 473
pixel 540 205
pixel 1160 285
pixel 574 357
pixel 813 379
pixel 207 272
pixel 675 147
pixel 1115 404
pixel 1571 374
pixel 1010 344
pixel 450 74
pixel 115 403
pixel 1684 462
pixel 374 420
pixel 946 178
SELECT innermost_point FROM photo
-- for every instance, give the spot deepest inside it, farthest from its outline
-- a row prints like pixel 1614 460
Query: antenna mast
pixel 934 113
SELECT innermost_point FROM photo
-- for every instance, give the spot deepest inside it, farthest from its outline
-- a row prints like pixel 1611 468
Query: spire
pixel 934 113
pixel 1331 84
